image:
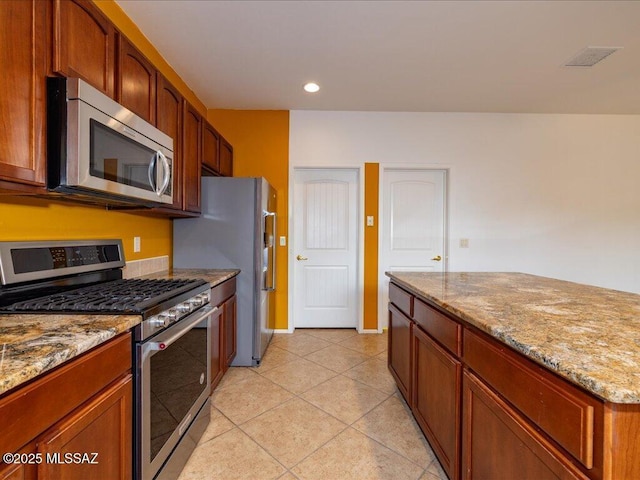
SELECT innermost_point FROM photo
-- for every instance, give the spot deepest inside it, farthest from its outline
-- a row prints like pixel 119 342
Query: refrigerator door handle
pixel 270 236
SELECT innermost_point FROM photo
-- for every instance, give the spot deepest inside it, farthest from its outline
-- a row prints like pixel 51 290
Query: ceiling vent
pixel 590 56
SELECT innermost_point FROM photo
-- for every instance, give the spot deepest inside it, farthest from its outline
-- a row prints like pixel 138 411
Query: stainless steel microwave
pixel 99 150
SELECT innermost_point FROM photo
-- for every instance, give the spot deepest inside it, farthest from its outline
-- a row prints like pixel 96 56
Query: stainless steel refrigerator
pixel 237 229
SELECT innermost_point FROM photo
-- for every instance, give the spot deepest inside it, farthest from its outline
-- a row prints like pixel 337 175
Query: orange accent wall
pixel 260 140
pixel 371 186
pixel 26 218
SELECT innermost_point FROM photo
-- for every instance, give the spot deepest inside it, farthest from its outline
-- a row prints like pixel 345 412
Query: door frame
pixel 447 169
pixel 359 169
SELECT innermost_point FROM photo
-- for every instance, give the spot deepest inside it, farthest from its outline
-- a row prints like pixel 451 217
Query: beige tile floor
pixel 321 406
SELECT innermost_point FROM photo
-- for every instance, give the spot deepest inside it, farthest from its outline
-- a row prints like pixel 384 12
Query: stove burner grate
pixel 119 296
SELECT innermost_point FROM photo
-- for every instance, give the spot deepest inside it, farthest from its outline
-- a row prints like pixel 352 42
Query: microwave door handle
pixel 152 168
pixel 166 178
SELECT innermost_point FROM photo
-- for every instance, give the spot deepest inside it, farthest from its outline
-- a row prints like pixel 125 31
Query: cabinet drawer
pixel 221 292
pixel 401 299
pixel 445 330
pixel 561 410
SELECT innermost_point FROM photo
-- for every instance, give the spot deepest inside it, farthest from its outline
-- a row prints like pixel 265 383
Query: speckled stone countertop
pixel 33 344
pixel 588 335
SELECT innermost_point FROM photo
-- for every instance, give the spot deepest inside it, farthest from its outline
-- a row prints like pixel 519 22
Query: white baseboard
pixel 283 330
pixel 369 330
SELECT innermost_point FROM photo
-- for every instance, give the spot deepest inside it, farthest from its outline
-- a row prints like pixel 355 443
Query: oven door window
pixel 118 158
pixel 178 378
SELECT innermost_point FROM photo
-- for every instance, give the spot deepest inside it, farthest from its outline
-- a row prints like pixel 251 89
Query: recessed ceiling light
pixel 311 87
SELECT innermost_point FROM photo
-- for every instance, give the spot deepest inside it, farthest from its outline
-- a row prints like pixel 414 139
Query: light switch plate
pixel 283 241
pixel 369 220
pixel 464 243
pixel 136 244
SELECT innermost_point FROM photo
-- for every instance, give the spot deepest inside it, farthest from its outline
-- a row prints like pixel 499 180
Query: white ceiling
pixel 427 56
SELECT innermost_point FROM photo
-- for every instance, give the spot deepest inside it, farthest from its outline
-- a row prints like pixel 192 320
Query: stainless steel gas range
pixel 172 343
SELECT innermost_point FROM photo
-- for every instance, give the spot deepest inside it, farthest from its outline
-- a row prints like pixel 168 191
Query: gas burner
pixel 118 296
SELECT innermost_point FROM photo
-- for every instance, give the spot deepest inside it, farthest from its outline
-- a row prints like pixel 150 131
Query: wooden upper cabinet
pixel 23 100
pixel 226 158
pixel 84 44
pixel 136 87
pixel 191 157
pixel 169 120
pixel 210 148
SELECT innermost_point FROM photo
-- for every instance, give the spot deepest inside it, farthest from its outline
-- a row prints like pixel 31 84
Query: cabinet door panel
pixel 22 103
pixel 217 345
pixel 499 444
pixel 20 471
pixel 191 151
pixel 226 158
pixel 230 328
pixel 136 81
pixel 210 148
pixel 102 426
pixel 84 44
pixel 399 356
pixel 436 398
pixel 169 120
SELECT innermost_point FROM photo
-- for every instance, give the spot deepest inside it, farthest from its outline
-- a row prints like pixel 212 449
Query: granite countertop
pixel 33 344
pixel 588 335
pixel 214 277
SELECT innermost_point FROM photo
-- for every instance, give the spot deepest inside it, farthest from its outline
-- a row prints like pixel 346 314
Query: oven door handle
pixel 185 325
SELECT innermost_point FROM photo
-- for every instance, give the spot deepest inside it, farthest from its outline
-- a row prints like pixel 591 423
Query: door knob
pixel 300 257
pixel 437 258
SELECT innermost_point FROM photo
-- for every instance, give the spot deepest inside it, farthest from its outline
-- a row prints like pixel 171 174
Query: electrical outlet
pixel 136 244
pixel 464 243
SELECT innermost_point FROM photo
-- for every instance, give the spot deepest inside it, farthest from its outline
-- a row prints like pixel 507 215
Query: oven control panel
pixel 44 260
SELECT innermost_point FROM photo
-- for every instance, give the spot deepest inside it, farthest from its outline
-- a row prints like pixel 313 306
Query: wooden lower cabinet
pixel 498 443
pixel 223 329
pixel 82 407
pixel 230 331
pixel 20 471
pixel 217 333
pixel 96 439
pixel 399 350
pixel 437 377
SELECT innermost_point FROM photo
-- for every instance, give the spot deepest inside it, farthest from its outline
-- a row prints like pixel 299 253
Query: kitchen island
pixel 534 377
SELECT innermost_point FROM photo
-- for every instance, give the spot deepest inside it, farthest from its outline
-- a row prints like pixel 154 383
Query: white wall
pixel 552 195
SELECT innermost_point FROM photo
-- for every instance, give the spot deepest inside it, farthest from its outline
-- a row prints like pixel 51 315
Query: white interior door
pixel 325 249
pixel 412 225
